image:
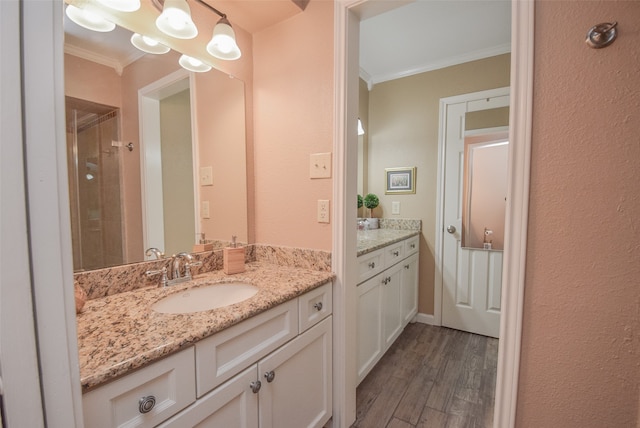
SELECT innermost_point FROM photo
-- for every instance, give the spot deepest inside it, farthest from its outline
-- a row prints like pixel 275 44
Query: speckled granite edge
pixel 372 240
pixel 400 224
pixel 295 257
pixel 121 332
pixel 120 279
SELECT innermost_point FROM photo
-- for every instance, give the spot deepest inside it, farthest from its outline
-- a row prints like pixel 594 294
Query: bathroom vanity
pixel 387 291
pixel 264 362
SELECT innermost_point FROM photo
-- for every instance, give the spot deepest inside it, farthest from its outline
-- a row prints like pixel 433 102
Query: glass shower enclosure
pixel 94 165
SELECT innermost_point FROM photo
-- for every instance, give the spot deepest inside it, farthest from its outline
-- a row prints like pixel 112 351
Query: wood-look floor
pixel 430 377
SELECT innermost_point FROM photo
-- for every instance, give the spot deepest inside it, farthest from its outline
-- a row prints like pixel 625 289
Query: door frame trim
pixel 347 18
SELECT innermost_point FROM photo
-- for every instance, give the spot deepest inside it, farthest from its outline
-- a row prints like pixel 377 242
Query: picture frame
pixel 400 180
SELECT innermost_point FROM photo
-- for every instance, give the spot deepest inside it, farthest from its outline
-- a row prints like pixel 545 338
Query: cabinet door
pixel 391 315
pixel 296 381
pixel 232 405
pixel 409 291
pixel 369 326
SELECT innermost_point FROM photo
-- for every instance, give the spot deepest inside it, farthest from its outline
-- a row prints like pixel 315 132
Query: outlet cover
pixel 323 211
pixel 395 207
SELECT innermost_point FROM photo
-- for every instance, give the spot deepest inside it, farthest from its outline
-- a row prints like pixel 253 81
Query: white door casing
pixel 471 278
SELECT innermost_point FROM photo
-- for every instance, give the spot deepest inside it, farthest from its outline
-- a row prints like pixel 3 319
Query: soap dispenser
pixel 233 258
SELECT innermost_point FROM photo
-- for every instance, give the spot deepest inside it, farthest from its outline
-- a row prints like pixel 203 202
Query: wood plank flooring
pixel 431 377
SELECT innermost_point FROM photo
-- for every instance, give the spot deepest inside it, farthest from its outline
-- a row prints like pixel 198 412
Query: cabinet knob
pixel 255 386
pixel 318 306
pixel 396 253
pixel 270 376
pixel 372 265
pixel 145 404
pixel 413 245
pixel 406 266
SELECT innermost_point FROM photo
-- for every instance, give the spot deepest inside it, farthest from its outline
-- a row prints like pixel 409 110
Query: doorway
pixel 470 275
pixel 168 156
pixel 348 16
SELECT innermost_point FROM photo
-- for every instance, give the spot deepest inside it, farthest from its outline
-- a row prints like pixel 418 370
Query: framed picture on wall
pixel 400 180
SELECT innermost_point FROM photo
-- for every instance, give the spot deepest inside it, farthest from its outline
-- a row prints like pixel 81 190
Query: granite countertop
pixel 121 332
pixel 371 240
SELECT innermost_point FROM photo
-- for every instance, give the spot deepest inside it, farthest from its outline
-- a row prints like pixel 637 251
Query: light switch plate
pixel 205 210
pixel 320 165
pixel 206 176
pixel 395 207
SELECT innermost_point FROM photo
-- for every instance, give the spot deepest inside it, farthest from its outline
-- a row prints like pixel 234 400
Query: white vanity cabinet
pixel 387 302
pixel 271 370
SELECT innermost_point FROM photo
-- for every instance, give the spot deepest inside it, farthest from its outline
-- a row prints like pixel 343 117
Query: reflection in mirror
pixel 110 220
pixel 485 188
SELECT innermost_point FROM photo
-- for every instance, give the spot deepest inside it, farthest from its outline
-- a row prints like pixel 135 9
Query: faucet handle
pixel 187 267
pixel 164 280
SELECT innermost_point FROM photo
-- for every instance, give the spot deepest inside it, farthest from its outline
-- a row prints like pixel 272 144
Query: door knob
pixel 451 229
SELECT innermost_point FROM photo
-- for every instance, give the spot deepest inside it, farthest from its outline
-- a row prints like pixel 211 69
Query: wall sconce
pixel 148 45
pixel 121 5
pixel 360 128
pixel 193 64
pixel 89 19
pixel 175 20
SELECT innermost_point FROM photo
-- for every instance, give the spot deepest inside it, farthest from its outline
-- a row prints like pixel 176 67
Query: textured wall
pixel 580 349
pixel 293 118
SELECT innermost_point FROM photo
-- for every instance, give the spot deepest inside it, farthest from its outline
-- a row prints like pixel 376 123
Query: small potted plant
pixel 360 202
pixel 371 201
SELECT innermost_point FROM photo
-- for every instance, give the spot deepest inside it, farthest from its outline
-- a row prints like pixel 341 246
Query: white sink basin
pixel 205 298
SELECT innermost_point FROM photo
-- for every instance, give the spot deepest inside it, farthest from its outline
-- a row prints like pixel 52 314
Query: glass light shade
pixel 360 128
pixel 121 5
pixel 175 20
pixel 89 19
pixel 148 45
pixel 193 64
pixel 223 43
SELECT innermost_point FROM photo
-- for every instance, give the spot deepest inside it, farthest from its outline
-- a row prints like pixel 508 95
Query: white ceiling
pixel 430 34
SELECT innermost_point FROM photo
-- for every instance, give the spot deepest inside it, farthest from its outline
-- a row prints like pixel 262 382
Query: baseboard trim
pixel 426 319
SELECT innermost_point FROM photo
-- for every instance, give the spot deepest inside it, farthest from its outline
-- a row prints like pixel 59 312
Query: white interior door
pixel 471 278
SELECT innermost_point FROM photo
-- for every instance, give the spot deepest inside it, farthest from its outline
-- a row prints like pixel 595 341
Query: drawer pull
pixel 318 306
pixel 270 376
pixel 255 386
pixel 372 265
pixel 146 404
pixel 396 253
pixel 406 266
pixel 413 245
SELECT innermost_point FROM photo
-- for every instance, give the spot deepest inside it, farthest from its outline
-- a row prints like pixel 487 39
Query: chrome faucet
pixel 175 263
pixel 154 251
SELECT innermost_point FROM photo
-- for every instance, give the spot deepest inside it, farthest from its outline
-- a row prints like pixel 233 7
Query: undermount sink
pixel 205 298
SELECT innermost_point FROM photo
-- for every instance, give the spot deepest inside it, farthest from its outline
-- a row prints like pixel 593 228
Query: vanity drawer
pixel 370 264
pixel 223 355
pixel 411 245
pixel 170 381
pixel 314 306
pixel 393 253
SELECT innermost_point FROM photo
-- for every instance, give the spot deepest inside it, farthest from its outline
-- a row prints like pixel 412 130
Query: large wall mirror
pixel 141 134
pixel 486 151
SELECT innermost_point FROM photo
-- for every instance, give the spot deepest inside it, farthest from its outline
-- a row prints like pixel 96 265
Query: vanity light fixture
pixel 148 45
pixel 223 43
pixel 121 5
pixel 360 128
pixel 89 19
pixel 193 64
pixel 175 20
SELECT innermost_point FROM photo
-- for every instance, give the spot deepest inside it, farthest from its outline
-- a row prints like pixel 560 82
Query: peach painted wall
pixel 580 364
pixel 293 104
pixel 90 81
